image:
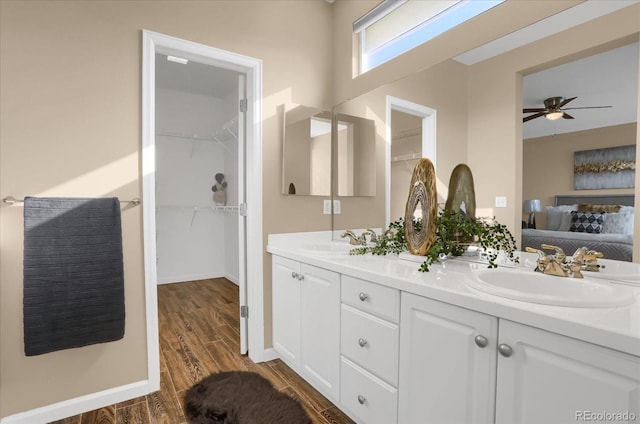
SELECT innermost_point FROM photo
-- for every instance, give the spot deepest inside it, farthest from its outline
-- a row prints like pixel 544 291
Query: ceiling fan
pixel 554 109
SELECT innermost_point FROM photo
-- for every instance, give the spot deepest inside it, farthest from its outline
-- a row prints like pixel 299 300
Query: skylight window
pixel 396 26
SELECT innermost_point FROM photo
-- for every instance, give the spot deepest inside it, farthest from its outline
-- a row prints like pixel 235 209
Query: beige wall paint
pixel 547 162
pixel 70 124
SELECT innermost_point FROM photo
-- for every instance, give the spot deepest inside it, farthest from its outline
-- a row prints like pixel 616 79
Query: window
pixel 396 26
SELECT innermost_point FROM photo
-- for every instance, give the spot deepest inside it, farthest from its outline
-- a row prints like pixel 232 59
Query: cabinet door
pixel 445 374
pixel 320 329
pixel 286 309
pixel 550 378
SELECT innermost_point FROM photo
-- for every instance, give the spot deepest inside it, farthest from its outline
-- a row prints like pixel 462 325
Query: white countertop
pixel 616 328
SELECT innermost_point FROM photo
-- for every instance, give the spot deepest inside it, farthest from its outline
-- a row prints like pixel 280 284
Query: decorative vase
pixel 421 232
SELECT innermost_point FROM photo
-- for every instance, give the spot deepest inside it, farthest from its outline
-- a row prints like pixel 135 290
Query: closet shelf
pixel 195 209
pixel 404 158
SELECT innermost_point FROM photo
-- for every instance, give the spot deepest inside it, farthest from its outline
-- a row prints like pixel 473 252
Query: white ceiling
pixel 606 79
pixel 195 78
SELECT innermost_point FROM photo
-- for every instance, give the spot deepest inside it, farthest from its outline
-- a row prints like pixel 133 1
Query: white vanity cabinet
pixel 447 363
pixel 306 322
pixel 456 364
pixel 369 346
pixel 549 378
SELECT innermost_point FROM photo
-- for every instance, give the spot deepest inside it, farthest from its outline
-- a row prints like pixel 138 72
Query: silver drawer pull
pixel 362 399
pixel 363 296
pixel 481 341
pixel 505 350
pixel 362 342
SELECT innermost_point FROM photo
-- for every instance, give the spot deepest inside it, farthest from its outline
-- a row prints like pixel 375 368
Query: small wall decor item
pixel 613 167
pixel 220 190
pixel 462 195
pixel 420 231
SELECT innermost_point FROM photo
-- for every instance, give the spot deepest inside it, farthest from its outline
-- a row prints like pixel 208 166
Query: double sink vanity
pixel 460 343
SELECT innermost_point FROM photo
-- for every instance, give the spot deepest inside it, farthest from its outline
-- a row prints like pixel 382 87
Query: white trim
pixel 191 277
pixel 270 354
pixel 75 406
pixel 429 132
pixel 569 18
pixel 159 43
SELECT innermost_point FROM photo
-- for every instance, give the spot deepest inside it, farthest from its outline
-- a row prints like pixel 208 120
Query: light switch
pixel 501 202
pixel 336 207
pixel 326 207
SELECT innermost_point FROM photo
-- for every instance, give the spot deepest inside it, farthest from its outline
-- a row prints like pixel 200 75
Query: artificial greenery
pixel 454 233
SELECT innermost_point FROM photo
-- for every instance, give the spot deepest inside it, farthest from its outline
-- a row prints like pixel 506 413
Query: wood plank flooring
pixel 199 335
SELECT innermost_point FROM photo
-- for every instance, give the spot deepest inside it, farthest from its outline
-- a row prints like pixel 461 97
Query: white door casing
pixel 251 68
pixel 429 132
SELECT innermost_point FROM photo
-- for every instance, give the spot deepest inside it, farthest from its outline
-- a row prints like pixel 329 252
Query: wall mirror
pixel 306 161
pixel 307 148
pixel 435 88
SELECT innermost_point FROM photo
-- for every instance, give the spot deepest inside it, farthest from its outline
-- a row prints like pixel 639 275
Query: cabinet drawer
pixel 367 398
pixel 370 297
pixel 370 342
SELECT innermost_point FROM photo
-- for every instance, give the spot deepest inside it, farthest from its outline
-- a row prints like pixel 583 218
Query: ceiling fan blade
pixel 529 118
pixel 565 101
pixel 565 115
pixel 587 107
pixel 533 109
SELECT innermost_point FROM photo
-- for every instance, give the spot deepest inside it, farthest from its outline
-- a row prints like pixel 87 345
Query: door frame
pixel 429 131
pixel 153 43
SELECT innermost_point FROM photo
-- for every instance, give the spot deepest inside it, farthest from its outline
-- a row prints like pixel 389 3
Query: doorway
pixel 410 135
pixel 216 138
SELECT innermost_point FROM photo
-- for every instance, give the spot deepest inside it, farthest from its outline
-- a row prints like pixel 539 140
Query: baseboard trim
pixel 191 277
pixel 269 354
pixel 75 406
pixel 233 278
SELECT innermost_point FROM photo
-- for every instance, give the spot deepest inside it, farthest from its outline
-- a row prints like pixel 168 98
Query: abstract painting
pixel 613 167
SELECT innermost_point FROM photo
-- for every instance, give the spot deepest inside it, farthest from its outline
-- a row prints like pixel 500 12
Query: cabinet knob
pixel 363 296
pixel 362 342
pixel 481 341
pixel 505 350
pixel 300 277
pixel 361 399
pixel 294 275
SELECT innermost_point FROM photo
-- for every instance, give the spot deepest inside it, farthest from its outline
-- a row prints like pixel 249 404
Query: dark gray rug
pixel 240 397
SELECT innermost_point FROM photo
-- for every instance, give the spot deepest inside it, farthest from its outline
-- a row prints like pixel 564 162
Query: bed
pixel 600 222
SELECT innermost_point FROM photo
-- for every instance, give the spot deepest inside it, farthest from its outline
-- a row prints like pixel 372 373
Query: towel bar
pixel 10 200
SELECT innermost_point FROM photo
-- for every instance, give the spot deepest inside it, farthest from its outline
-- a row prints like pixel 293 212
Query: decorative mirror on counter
pixel 307 151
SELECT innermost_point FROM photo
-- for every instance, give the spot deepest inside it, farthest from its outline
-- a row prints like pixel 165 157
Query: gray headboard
pixel 595 199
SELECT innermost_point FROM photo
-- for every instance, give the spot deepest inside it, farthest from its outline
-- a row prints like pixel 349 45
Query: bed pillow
pixel 618 223
pixel 565 221
pixel 586 222
pixel 585 207
pixel 554 216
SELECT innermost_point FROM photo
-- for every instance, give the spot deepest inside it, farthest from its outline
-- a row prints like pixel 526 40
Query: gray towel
pixel 73 273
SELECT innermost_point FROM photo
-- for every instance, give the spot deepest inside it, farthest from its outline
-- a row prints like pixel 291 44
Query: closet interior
pixel 198 166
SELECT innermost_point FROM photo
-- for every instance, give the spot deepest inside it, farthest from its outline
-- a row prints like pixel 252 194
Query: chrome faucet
pixel 356 240
pixel 373 237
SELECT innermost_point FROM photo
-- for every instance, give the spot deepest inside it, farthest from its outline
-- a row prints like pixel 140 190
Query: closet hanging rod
pixel 10 200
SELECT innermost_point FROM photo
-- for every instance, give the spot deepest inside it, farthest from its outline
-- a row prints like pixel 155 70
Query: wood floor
pixel 199 335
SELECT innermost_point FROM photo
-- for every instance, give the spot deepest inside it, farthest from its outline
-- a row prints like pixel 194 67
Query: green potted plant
pixel 455 232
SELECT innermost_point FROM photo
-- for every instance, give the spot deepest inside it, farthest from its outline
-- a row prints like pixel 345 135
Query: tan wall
pixel 70 125
pixel 547 163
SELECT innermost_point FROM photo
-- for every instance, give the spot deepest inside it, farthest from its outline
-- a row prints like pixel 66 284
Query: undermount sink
pixel 535 287
pixel 328 248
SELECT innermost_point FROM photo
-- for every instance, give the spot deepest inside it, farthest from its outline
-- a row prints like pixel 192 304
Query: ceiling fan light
pixel 554 115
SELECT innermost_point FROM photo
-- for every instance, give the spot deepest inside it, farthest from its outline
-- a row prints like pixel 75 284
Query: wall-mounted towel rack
pixel 10 200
